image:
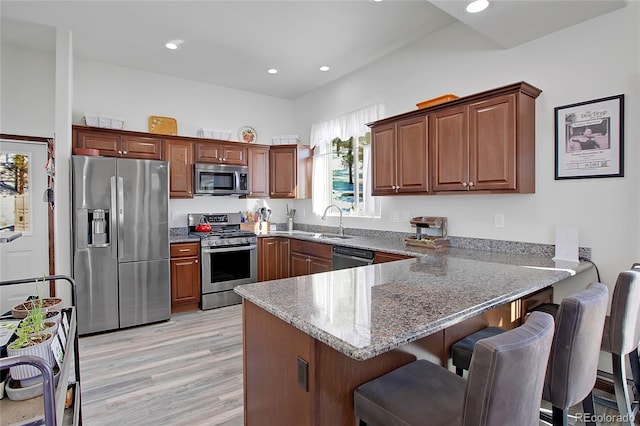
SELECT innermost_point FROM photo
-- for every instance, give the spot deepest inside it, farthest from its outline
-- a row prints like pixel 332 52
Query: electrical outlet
pixel 303 374
pixel 498 220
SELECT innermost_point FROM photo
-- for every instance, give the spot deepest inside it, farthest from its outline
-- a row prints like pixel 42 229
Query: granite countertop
pixel 363 312
pixel 183 238
pixel 390 245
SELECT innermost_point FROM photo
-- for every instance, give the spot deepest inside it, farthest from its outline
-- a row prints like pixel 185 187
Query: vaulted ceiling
pixel 234 43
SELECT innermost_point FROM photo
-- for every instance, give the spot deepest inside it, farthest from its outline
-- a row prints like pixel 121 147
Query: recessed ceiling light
pixel 477 6
pixel 272 71
pixel 324 68
pixel 173 44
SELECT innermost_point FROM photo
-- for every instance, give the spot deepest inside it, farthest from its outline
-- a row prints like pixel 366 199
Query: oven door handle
pixel 207 250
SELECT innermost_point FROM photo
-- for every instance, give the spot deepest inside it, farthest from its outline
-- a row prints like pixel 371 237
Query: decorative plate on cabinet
pixel 247 134
pixel 163 125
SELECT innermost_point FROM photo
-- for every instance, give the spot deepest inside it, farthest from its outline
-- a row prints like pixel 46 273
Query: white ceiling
pixel 233 43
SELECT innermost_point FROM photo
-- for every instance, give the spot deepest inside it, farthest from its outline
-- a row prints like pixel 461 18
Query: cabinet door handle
pixel 183 250
pixel 119 152
pixel 464 184
pixel 195 261
pixel 124 152
pixel 470 184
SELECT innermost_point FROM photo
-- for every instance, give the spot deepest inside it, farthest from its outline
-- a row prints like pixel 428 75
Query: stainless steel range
pixel 229 257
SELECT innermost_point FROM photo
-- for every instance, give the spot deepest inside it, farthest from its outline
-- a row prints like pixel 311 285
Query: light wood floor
pixel 187 371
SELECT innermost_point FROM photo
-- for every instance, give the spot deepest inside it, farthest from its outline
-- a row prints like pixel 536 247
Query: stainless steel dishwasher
pixel 350 257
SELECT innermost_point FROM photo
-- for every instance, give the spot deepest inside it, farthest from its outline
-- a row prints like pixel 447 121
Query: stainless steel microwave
pixel 220 179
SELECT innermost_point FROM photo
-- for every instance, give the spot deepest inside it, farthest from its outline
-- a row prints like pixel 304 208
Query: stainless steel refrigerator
pixel 120 211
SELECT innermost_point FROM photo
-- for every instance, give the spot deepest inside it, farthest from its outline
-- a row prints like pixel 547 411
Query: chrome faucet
pixel 324 216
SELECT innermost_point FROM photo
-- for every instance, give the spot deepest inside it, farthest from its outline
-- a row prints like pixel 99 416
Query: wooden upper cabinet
pixel 383 149
pixel 400 161
pixel 220 153
pixel 180 157
pixel 493 144
pixel 290 171
pixel 107 143
pixel 258 157
pixel 115 143
pixel 147 148
pixel 481 143
pixel 475 147
pixel 450 149
pixel 412 159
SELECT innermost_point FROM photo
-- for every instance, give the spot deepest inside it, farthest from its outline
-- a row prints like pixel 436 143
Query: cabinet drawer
pixel 321 250
pixel 185 249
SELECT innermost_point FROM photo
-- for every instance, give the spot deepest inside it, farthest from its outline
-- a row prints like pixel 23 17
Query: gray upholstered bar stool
pixel 498 390
pixel 621 337
pixel 573 363
pixel 462 350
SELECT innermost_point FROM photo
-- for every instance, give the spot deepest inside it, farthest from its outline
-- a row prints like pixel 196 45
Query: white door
pixel 23 209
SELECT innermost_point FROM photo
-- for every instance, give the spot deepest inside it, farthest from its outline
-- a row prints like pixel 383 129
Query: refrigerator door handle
pixel 112 220
pixel 120 216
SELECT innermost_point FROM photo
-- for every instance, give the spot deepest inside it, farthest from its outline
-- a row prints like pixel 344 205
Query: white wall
pixel 27 91
pixel 595 59
pixel 135 95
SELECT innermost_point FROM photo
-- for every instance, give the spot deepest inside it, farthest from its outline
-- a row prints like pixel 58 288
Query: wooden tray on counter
pixel 432 243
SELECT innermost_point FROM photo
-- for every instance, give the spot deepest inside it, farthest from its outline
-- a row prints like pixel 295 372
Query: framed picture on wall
pixel 590 139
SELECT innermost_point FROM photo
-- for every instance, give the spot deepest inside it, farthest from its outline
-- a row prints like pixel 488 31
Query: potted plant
pixel 34 337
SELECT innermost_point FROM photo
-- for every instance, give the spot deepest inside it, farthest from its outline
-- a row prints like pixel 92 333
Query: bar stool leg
pixel 588 407
pixel 635 369
pixel 559 416
pixel 622 392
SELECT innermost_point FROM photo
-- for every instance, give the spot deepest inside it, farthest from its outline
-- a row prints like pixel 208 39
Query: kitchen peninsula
pixel 309 341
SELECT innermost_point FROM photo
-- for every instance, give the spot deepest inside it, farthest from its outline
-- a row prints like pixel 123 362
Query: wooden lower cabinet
pixel 185 276
pixel 273 258
pixel 384 257
pixel 272 396
pixel 310 258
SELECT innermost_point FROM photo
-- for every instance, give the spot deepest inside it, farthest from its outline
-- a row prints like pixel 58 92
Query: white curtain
pixel 347 125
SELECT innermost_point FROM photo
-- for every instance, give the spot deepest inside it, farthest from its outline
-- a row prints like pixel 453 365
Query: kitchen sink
pixel 332 236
